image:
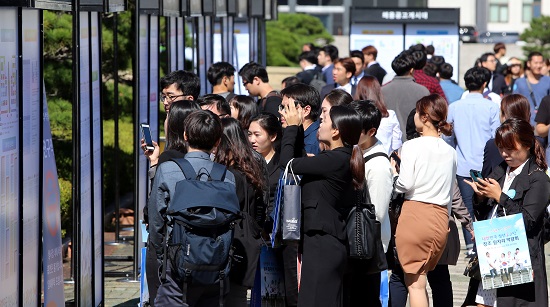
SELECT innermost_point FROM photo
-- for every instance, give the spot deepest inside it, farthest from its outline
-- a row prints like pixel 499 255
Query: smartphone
pixel 395 157
pixel 476 175
pixel 146 131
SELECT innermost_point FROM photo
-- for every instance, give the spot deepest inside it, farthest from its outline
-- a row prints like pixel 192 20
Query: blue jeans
pixel 467 196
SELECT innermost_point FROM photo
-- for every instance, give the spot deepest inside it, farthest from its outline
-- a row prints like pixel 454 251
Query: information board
pixel 31 154
pixel 387 38
pixel 444 38
pixel 9 159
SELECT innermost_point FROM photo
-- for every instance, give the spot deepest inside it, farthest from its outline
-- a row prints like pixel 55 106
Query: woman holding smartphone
pixel 428 168
pixel 328 182
pixel 517 185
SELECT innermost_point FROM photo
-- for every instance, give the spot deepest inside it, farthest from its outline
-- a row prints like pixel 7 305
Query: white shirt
pixel 378 174
pixel 389 132
pixel 510 176
pixel 356 79
pixel 346 88
pixel 428 168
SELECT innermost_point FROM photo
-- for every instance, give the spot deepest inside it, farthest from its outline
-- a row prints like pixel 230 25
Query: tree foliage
pixel 286 36
pixel 537 36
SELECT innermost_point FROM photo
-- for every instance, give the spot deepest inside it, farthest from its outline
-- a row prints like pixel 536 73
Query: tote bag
pixel 503 253
pixel 287 210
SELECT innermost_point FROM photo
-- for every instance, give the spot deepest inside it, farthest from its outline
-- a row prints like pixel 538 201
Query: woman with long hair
pixel 518 185
pixel 514 105
pixel 427 171
pixel 243 108
pixel 328 181
pixel 176 147
pixel 234 151
pixel 389 132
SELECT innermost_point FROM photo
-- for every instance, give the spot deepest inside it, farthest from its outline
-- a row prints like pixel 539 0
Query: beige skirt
pixel 421 236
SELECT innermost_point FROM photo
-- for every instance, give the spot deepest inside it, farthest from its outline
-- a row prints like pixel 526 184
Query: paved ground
pixel 125 294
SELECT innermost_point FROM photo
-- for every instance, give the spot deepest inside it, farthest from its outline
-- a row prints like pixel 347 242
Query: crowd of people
pixel 343 121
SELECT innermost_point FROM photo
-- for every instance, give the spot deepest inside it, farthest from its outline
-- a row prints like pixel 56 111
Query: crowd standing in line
pixel 343 121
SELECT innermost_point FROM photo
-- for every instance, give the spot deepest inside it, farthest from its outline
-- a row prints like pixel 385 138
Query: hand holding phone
pixel 146 131
pixel 476 175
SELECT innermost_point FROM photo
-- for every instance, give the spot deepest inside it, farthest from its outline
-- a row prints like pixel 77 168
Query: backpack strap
pixel 186 168
pixel 376 154
pixel 218 172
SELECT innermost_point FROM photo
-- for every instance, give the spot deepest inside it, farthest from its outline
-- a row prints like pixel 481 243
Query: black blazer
pixel 532 188
pixel 327 189
pixel 273 172
pixel 329 87
pixel 491 158
pixel 376 71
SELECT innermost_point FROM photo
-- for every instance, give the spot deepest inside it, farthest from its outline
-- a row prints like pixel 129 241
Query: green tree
pixel 537 36
pixel 286 36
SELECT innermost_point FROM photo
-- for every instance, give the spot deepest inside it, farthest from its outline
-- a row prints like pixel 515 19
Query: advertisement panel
pixel 9 159
pixel 31 154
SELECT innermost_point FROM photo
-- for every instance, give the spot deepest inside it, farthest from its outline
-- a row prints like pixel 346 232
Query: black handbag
pixel 472 269
pixel 364 234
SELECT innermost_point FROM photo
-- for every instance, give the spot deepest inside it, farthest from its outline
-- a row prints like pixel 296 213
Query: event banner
pixel 503 252
pixel 52 259
pixel 9 159
pixel 31 155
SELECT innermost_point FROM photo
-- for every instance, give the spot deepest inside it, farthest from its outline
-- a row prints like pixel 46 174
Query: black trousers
pixel 360 289
pixel 289 254
pixel 152 269
pixel 439 280
pixel 324 262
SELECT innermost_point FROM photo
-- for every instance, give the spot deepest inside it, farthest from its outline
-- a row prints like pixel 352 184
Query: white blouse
pixel 428 168
pixel 389 133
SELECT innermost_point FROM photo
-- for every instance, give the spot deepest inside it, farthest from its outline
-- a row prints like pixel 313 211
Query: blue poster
pixel 51 257
pixel 503 252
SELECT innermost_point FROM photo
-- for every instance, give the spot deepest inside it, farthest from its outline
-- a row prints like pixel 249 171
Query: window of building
pixel 498 11
pixel 531 9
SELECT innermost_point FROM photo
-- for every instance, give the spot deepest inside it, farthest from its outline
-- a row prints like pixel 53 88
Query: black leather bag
pixel 472 269
pixel 364 234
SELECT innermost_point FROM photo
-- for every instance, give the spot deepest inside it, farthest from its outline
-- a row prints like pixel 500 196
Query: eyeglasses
pixel 245 83
pixel 170 98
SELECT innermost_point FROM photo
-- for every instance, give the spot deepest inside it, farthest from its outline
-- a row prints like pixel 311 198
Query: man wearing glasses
pixel 497 83
pixel 255 80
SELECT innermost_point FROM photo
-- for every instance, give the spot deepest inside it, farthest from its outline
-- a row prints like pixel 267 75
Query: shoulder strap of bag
pixel 531 92
pixel 186 168
pixel 376 154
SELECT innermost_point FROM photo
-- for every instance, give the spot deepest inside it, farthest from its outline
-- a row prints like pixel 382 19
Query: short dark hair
pixel 308 56
pixel 418 52
pixel 430 69
pixel 484 57
pixel 338 97
pixel 210 99
pixel 218 70
pixel 305 95
pixel 533 54
pixel 403 63
pixel 499 46
pixel 446 71
pixel 288 81
pixel 253 69
pixel 187 82
pixel 348 64
pixel 475 77
pixel 179 110
pixel 357 54
pixel 438 60
pixel 370 114
pixel 331 51
pixel 430 49
pixel 203 130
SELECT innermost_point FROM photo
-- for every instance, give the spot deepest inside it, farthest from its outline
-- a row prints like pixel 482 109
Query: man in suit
pixel 372 67
pixel 308 63
pixel 359 60
pixel 344 69
pixel 327 56
pixel 497 83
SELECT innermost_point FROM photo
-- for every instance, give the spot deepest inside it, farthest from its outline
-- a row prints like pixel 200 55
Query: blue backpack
pixel 202 215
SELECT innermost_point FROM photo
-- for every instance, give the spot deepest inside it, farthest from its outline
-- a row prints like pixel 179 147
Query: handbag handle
pixel 294 176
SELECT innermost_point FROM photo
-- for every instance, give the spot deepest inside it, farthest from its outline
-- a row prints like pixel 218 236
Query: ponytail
pixel 540 155
pixel 445 128
pixel 357 166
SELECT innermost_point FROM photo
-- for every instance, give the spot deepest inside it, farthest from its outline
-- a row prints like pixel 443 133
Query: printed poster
pixel 503 251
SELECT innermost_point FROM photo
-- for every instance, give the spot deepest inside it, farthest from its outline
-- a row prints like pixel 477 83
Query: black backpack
pixel 202 215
